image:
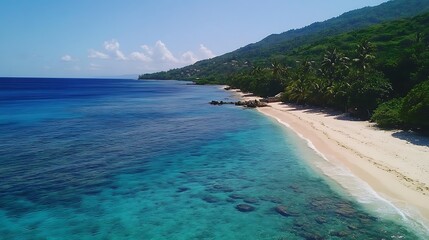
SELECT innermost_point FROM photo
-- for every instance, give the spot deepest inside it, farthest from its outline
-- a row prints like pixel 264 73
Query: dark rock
pixel 251 103
pixel 220 103
pixel 210 199
pixel 300 223
pixel 340 234
pixel 321 204
pixel 352 227
pixel 320 220
pixel 295 188
pixel 182 189
pixel 366 219
pixel 282 210
pixel 312 236
pixel 221 188
pixel 244 208
pixel 236 196
pixel 346 211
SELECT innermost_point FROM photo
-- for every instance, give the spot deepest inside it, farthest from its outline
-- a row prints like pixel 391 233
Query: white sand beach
pixel 395 164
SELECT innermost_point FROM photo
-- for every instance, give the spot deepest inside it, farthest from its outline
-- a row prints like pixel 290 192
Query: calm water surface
pixel 125 159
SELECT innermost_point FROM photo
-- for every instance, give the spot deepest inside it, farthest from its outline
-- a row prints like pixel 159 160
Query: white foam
pixel 360 189
pixel 309 143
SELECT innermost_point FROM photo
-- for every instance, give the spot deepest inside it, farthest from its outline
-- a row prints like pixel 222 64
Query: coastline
pixel 394 167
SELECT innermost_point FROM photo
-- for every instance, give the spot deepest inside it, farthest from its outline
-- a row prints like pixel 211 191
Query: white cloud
pixel 150 57
pixel 189 57
pixel 165 53
pixel 120 55
pixel 139 56
pixel 147 49
pixel 97 54
pixel 66 58
pixel 207 53
pixel 111 45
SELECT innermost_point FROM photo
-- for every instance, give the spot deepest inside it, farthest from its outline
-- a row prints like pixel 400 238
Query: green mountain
pixel 356 72
pixel 274 47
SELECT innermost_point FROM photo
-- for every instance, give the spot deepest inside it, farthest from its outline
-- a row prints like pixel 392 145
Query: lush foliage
pixel 387 115
pixel 415 108
pixel 344 81
pixel 288 46
pixel 326 64
pixel 410 112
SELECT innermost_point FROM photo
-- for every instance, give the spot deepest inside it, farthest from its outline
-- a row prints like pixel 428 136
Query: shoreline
pixel 397 186
pixel 394 168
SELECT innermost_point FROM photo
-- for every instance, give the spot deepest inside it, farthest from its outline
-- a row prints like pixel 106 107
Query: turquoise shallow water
pixel 122 159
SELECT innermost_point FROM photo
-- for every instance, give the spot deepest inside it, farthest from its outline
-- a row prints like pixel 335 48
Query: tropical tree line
pixel 409 112
pixel 348 81
pixel 343 81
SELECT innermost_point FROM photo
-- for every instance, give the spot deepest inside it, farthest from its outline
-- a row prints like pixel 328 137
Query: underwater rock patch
pixel 210 199
pixel 282 210
pixel 236 196
pixel 320 220
pixel 244 208
pixel 220 188
pixel 346 211
pixel 182 189
pixel 339 234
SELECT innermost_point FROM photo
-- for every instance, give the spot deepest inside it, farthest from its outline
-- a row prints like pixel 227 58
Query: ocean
pixel 128 159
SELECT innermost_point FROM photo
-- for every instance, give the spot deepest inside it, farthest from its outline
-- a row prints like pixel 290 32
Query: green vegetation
pixel 348 82
pixel 410 112
pixel 376 72
pixel 415 108
pixel 356 76
pixel 387 115
pixel 282 47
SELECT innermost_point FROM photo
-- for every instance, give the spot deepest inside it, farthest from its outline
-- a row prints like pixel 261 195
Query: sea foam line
pixel 405 216
pixel 309 143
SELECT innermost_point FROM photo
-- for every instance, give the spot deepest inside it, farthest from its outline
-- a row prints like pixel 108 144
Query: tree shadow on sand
pixel 324 111
pixel 412 137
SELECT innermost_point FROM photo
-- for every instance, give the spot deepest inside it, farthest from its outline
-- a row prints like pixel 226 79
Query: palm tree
pixel 333 65
pixel 280 73
pixel 256 70
pixel 306 66
pixel 364 57
pixel 299 89
pixel 338 94
pixel 276 68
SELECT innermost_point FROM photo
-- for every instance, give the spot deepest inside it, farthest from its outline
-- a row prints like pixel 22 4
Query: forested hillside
pixel 379 71
pixel 356 72
pixel 274 47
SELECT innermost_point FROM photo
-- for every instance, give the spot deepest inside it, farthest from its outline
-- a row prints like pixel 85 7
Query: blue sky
pixel 84 38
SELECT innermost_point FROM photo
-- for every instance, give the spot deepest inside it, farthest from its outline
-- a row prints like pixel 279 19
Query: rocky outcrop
pixel 249 103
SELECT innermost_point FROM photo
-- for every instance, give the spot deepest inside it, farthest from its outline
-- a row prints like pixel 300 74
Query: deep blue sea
pixel 128 159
